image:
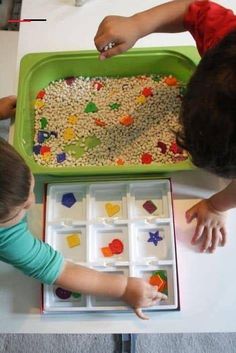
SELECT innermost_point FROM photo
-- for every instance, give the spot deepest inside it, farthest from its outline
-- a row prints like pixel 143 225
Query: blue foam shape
pixel 68 200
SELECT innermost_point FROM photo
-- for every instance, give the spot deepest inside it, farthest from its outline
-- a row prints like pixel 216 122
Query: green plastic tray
pixel 37 70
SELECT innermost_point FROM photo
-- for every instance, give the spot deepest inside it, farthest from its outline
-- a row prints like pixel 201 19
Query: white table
pixel 207 286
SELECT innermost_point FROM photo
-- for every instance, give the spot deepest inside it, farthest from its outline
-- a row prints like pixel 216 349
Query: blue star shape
pixel 154 238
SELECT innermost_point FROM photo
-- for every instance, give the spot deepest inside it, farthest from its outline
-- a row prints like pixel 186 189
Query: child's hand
pixel 139 294
pixel 7 107
pixel 123 31
pixel 210 229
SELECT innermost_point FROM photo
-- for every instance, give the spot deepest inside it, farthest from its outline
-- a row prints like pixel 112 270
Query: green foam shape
pixel 161 273
pixel 92 141
pixel 76 150
pixel 91 108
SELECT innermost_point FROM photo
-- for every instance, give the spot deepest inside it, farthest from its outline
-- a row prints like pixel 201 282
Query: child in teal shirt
pixel 38 259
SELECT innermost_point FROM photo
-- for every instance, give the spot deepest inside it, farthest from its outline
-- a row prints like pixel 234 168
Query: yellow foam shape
pixel 38 104
pixel 73 240
pixel 112 209
pixel 141 99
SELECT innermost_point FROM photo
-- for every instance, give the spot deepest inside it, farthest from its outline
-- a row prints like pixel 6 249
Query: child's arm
pixel 39 260
pixel 7 107
pixel 210 215
pixel 136 292
pixel 125 31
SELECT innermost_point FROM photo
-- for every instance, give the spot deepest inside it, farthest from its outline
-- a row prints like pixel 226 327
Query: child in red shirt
pixel 208 113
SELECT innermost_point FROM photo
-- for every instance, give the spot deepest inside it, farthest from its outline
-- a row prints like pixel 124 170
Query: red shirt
pixel 208 23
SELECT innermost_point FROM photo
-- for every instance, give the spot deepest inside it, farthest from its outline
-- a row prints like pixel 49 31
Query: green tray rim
pixel 30 60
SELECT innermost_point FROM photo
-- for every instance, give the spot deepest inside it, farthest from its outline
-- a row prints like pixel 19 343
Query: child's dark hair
pixel 208 114
pixel 15 180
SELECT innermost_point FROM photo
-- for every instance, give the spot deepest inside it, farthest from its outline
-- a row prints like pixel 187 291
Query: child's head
pixel 16 186
pixel 208 115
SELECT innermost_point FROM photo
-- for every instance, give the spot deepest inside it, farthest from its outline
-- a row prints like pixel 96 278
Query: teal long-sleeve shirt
pixel 33 257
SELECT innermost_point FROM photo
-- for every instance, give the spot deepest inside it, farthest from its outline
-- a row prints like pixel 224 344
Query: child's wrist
pixel 139 24
pixel 214 206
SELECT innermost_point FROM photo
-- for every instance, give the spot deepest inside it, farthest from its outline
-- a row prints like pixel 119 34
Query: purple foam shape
pixel 62 293
pixel 149 206
pixel 42 136
pixel 68 199
pixel 36 149
pixel 61 157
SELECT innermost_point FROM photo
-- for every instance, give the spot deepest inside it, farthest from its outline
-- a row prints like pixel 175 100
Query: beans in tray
pixel 107 121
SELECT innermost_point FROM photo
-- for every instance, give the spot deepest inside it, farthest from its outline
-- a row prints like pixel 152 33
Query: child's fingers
pixel 224 236
pixel 140 314
pixel 198 233
pixel 102 40
pixel 157 296
pixel 190 214
pixel 162 296
pixel 116 50
pixel 208 239
pixel 13 112
pixel 216 236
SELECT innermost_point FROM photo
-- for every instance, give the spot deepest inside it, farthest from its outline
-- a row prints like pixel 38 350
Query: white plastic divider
pixel 131 223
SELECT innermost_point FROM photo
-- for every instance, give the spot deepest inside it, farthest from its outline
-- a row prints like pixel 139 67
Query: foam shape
pixel 106 251
pixel 112 209
pixel 154 238
pixel 36 149
pixel 62 293
pixel 39 104
pixel 163 275
pixel 91 108
pixel 116 246
pixel 61 157
pixel 156 280
pixel 41 94
pixel 126 120
pixel 149 206
pixel 73 240
pixel 43 122
pixel 70 80
pixel 147 91
pixel 68 200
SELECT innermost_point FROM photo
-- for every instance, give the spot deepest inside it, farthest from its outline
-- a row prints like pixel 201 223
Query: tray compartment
pixel 145 196
pixel 146 272
pixel 71 213
pixel 152 241
pixel 101 236
pixel 106 302
pixel 53 303
pixel 70 241
pixel 108 201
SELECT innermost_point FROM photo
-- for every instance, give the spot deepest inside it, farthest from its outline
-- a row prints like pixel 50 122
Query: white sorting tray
pixel 88 219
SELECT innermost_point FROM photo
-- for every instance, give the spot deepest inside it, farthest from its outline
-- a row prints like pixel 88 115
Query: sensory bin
pixel 101 121
pixel 122 227
pixel 95 127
